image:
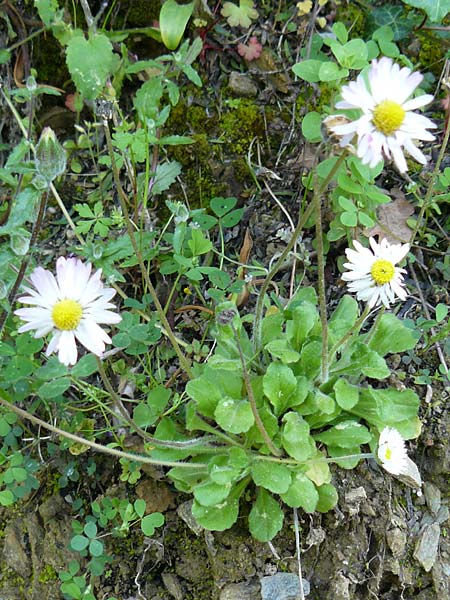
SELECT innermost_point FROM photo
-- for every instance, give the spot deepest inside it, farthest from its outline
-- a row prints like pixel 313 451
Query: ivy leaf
pixel 239 15
pixel 435 9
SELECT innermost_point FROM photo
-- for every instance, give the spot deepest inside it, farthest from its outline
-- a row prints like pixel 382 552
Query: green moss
pixel 353 17
pixel 432 52
pixel 240 124
pixel 47 574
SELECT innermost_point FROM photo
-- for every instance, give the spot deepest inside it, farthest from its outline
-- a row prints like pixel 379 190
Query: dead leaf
pixel 266 65
pixel 392 219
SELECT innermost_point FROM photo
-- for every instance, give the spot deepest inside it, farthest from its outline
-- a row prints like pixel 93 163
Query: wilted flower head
pixel 392 451
pixel 70 306
pixel 387 124
pixel 372 273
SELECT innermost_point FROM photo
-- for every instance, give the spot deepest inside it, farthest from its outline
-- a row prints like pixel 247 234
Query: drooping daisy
pixel 70 306
pixel 392 451
pixel 387 124
pixel 372 273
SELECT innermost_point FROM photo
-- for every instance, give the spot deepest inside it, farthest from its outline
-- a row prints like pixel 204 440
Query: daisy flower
pixel 392 451
pixel 387 124
pixel 372 272
pixel 69 306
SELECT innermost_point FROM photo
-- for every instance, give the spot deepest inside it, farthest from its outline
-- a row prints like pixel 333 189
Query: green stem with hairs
pixel 321 286
pixel 93 445
pixel 301 223
pixel 429 193
pixel 159 309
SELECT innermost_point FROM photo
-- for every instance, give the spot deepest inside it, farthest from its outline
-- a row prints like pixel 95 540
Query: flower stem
pixel 97 447
pixel 301 223
pixel 321 286
pixel 251 397
pixel 355 329
pixel 159 309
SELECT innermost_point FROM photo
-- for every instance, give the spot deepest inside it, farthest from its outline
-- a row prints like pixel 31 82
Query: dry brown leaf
pixel 392 219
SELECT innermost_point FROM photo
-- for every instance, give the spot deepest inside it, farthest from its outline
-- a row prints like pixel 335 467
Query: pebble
pixel 283 586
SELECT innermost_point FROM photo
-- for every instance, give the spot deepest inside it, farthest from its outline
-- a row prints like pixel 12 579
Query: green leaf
pixel 266 517
pixel 317 469
pixel 295 437
pixel 441 312
pixel 281 349
pixel 311 359
pixel 166 174
pixel 216 518
pixel 53 389
pixel 228 467
pixel 435 9
pixel 173 19
pixel 150 522
pixel 328 497
pixel 147 99
pixel 147 413
pixel 6 498
pixel 232 218
pixel 210 493
pixel 233 415
pixel 311 127
pixel 96 548
pixel 386 407
pixel 198 243
pixel 221 206
pixel 302 493
pixel 79 543
pixel 90 63
pixel 87 365
pixel 210 387
pixel 90 529
pixel 304 318
pixel 308 70
pixel 140 506
pixel 346 434
pixel 362 360
pixel 343 318
pixel 331 72
pixel 279 385
pixel 239 15
pixel 346 395
pixel 273 477
pixel 392 336
pixel 345 463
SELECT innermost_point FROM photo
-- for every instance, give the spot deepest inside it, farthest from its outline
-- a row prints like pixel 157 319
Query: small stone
pixel 242 86
pixel 340 587
pixel 241 591
pixel 432 497
pixel 184 511
pixel 173 585
pixel 283 586
pixel 427 546
pixel 396 539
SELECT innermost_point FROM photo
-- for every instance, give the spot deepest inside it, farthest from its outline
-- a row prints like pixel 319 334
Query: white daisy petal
pixel 372 272
pixel 386 125
pixel 70 306
pixel 392 451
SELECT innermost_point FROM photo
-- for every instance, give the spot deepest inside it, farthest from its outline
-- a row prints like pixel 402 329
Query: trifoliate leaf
pixel 239 15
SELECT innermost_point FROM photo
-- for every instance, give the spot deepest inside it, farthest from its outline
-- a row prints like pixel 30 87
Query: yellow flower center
pixel 382 271
pixel 388 454
pixel 66 314
pixel 388 116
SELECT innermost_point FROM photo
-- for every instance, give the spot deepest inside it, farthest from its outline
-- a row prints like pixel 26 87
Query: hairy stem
pixel 97 447
pixel 301 223
pixel 159 309
pixel 251 398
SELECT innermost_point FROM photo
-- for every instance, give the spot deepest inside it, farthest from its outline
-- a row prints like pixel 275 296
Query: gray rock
pixel 283 586
pixel 427 546
pixel 184 511
pixel 396 539
pixel 432 497
pixel 241 591
pixel 173 585
pixel 14 549
pixel 242 86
